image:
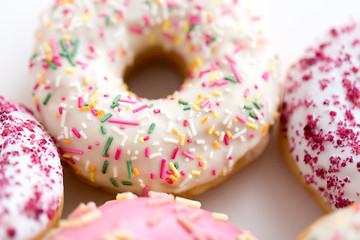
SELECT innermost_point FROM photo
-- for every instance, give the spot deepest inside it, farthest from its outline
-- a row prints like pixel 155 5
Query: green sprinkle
pixel 129 168
pixel 176 165
pixel 126 183
pixel 148 2
pixel 63 45
pixel 76 47
pixel 106 117
pixel 103 130
pixel 116 99
pixel 150 105
pixel 107 145
pixel 257 105
pixel 66 53
pixel 151 128
pixel 114 105
pixel 248 107
pixel 186 108
pixel 231 79
pixel 86 104
pixel 192 26
pixel 47 98
pixel 105 165
pixel 52 65
pixel 107 20
pixel 183 102
pixel 114 182
pixel 33 57
pixel 213 39
pixel 252 115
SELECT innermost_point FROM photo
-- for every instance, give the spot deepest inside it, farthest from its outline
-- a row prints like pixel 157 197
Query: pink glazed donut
pixel 322 118
pixel 159 216
pixel 31 181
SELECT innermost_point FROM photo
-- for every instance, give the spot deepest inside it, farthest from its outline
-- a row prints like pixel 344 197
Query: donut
pixel 321 115
pixel 217 122
pixel 341 224
pixel 159 216
pixel 31 181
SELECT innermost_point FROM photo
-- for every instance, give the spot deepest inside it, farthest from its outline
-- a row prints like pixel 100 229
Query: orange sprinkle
pixel 216 144
pixel 264 129
pixel 118 17
pixel 228 134
pixel 173 178
pixel 67 141
pixel 85 108
pixel 136 172
pixel 204 120
pixel 92 169
pixel 78 171
pixel 48 25
pixel 57 116
pixel 42 78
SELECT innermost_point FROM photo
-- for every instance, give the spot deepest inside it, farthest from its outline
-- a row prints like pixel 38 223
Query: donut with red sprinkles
pixel 321 118
pixel 31 180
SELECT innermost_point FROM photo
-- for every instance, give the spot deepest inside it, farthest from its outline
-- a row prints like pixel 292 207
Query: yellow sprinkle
pixel 86 80
pixel 48 25
pixel 173 178
pixel 215 2
pixel 42 78
pixel 177 39
pixel 224 172
pixel 141 139
pixel 198 60
pixel 35 98
pixel 199 96
pixel 264 129
pixel 204 165
pixel 217 93
pixel 39 37
pixel 166 26
pixel 196 108
pixel 198 102
pixel 216 144
pixel 70 70
pixel 94 95
pixel 176 132
pixel 175 171
pixel 193 172
pixel 125 196
pixel 92 177
pixel 276 116
pixel 190 203
pixel 86 16
pixel 100 113
pixel 259 95
pixel 215 114
pixel 211 129
pixel 213 76
pixel 204 120
pixel 49 57
pixel 251 125
pixel 235 120
pixel 207 97
pixel 185 27
pixel 135 171
pixel 118 17
pixel 228 134
pixel 241 30
pixel 67 141
pixel 47 48
pixel 247 99
pixel 92 169
pixel 208 16
pixel 271 67
pixel 152 38
pixel 66 37
pixel 219 216
pixel 182 139
pixel 66 155
pixel 217 133
pixel 87 108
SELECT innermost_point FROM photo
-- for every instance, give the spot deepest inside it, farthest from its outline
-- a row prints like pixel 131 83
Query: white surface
pixel 264 198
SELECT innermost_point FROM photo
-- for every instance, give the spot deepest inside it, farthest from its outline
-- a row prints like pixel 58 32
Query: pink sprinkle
pixel 54 47
pixel 71 161
pixel 76 132
pixel 146 138
pixel 252 135
pixel 203 84
pixel 94 112
pixel 239 48
pixel 136 30
pixel 36 86
pixel 45 66
pixel 186 154
pixel 189 140
pixel 90 56
pixel 80 102
pixel 102 14
pixel 169 172
pixel 145 191
pixel 200 164
pixel 83 65
pixel 226 11
pixel 203 72
pixel 229 59
pixel 140 108
pixel 240 118
pixel 237 76
pixel 214 65
pixel 176 150
pixel 195 19
pixel 92 48
pixel 211 107
pixel 169 181
pixel 199 7
pixel 89 147
pixel 102 34
pixel 146 20
pixel 156 111
pixel 74 151
pixel 182 172
pixel 68 44
pixel 168 36
pixel 266 75
pixel 152 175
pixel 171 4
pixel 57 61
pixel 214 172
pixel 204 103
pixel 147 152
pixel 256 18
pixel 126 122
pixel 185 123
pixel 118 152
pixel 97 143
pixel 247 91
pixel 226 140
pixel 120 13
pixel 38 107
pixel 127 101
pixel 112 52
pixel 122 127
pixel 60 110
pixel 162 169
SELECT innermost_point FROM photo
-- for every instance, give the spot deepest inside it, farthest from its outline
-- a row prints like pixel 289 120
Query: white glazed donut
pixel 322 116
pixel 159 216
pixel 181 144
pixel 343 224
pixel 31 183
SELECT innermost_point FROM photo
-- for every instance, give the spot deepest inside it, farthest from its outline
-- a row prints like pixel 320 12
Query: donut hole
pixel 155 73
